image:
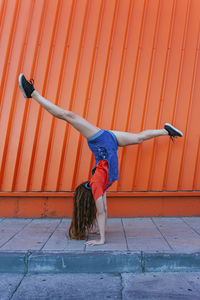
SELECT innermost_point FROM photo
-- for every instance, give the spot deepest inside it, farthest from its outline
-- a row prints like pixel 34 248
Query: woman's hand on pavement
pixel 94 242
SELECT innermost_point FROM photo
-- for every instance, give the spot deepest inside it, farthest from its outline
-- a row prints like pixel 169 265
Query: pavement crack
pixel 16 234
pixel 125 234
pixel 51 234
pixel 142 262
pixel 190 226
pixel 26 258
pixel 162 234
pixel 17 287
pixel 122 285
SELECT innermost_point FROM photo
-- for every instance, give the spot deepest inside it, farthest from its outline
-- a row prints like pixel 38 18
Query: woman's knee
pixel 70 117
pixel 69 114
pixel 127 138
pixel 132 140
pixel 139 139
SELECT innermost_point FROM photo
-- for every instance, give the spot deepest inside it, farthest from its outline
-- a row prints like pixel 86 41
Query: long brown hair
pixel 84 213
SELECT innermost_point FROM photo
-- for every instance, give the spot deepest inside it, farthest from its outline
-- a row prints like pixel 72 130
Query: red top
pixel 99 182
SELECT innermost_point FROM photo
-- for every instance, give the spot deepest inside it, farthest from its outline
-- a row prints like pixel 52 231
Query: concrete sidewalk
pixel 132 245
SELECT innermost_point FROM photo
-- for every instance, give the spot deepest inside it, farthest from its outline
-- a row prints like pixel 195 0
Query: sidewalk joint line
pixel 51 234
pixel 142 262
pixel 190 226
pixel 15 234
pixel 122 286
pixel 18 286
pixel 125 234
pixel 162 234
pixel 26 260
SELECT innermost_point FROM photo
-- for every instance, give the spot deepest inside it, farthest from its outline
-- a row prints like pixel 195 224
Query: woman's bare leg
pixel 79 123
pixel 127 138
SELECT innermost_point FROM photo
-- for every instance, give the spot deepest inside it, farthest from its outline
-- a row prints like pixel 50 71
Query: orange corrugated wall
pixel 125 65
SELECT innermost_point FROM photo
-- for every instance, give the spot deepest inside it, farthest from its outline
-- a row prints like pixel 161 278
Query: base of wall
pixel 120 204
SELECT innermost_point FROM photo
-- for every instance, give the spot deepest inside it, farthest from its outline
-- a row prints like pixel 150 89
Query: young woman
pixel 90 196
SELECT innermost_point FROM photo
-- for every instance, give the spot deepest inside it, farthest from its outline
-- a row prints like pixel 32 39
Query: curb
pixel 54 262
pixel 85 262
pixel 172 262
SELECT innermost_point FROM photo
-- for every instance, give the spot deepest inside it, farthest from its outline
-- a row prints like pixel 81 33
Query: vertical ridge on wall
pixel 171 16
pixel 194 73
pixel 127 25
pixel 132 92
pixel 15 57
pixel 195 178
pixel 94 50
pixel 121 64
pixel 104 72
pixel 59 169
pixel 177 91
pixel 49 65
pixel 44 120
pixel 35 131
pixel 139 161
pixel 68 133
pixel 19 146
pixel 60 80
pixel 5 124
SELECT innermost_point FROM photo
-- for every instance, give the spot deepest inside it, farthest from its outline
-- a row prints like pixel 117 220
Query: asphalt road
pixel 100 286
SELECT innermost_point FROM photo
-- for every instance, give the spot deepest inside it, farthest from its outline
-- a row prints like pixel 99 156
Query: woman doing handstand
pixel 90 196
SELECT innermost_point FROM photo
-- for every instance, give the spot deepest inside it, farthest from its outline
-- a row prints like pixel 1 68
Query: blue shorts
pixel 104 146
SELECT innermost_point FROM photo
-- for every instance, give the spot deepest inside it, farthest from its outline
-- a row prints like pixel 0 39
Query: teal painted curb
pixel 13 262
pixel 54 262
pixel 85 262
pixel 172 262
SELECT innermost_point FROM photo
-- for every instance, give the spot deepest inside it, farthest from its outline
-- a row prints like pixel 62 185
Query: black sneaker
pixel 172 131
pixel 26 86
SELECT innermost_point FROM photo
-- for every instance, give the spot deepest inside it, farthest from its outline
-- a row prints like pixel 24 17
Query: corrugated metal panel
pixel 124 65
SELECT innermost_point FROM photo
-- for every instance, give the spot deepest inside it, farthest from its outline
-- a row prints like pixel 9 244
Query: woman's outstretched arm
pixel 101 219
